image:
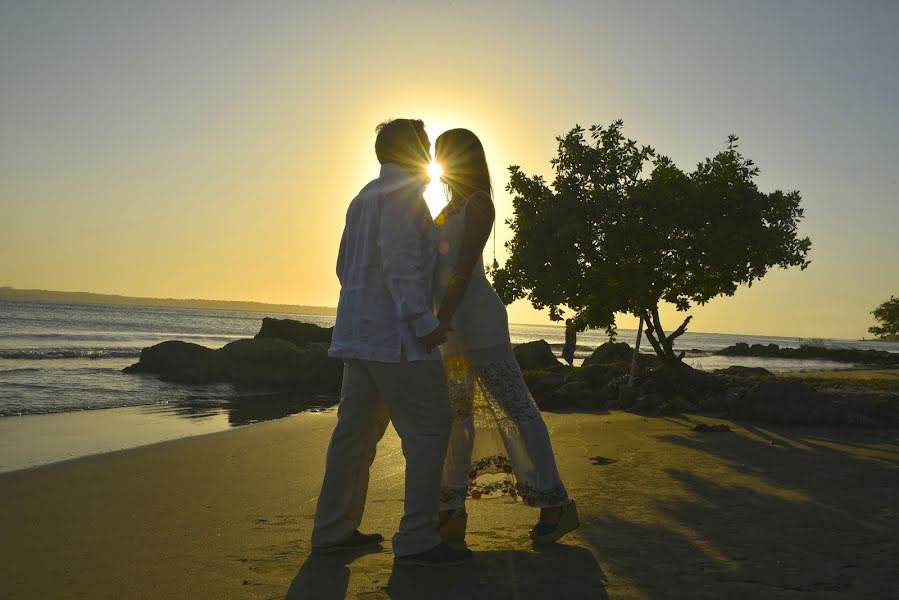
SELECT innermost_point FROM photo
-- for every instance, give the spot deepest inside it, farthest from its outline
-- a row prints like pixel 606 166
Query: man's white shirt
pixel 386 271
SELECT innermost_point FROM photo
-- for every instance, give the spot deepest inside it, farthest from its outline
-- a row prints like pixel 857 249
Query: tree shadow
pixel 756 520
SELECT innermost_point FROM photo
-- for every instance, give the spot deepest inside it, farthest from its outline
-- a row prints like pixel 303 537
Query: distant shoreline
pixel 9 293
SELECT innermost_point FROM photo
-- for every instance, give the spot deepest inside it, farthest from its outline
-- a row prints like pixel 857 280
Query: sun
pixel 435 171
pixel 434 194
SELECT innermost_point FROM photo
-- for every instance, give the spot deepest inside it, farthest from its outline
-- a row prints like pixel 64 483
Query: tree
pixel 607 238
pixel 887 315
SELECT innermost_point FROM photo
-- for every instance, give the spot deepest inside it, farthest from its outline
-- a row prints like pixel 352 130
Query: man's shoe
pixel 453 530
pixel 356 541
pixel 440 555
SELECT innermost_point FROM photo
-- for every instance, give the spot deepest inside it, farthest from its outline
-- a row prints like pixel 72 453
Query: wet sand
pixel 759 512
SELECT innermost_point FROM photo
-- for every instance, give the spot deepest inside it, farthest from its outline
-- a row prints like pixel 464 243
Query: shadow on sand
pixel 769 512
pixel 556 571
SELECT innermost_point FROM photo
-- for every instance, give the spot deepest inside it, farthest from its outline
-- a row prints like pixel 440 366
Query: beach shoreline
pixel 28 441
pixel 228 515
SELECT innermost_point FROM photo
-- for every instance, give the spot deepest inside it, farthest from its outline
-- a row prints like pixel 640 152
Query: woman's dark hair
pixel 402 141
pixel 464 164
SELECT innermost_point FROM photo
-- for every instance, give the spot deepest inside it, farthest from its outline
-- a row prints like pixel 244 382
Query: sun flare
pixel 435 171
pixel 434 195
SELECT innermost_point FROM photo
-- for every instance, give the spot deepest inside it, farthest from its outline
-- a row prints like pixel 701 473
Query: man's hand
pixel 435 338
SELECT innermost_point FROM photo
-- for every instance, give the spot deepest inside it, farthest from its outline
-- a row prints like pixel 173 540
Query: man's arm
pixel 404 220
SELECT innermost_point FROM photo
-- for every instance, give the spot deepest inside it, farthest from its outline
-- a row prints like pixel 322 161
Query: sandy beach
pixel 774 512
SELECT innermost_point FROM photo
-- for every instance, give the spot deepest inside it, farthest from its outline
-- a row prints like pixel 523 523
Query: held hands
pixel 435 338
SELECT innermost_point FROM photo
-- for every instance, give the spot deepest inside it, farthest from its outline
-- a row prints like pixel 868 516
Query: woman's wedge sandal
pixel 454 527
pixel 545 533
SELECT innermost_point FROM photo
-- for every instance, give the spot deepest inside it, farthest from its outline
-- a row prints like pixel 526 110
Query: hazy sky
pixel 209 149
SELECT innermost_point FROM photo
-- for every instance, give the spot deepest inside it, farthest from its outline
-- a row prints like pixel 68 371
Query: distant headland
pixel 9 293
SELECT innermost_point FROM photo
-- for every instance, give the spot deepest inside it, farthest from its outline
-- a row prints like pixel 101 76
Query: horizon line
pixel 273 306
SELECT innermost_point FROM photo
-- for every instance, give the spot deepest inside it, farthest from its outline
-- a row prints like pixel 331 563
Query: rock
pixel 856 418
pixel 881 358
pixel 297 332
pixel 739 371
pixel 180 361
pixel 782 402
pixel 278 361
pixel 669 408
pixel 610 352
pixel 646 402
pixel 575 394
pixel 535 355
pixel 542 383
pixel 627 397
pixel 865 408
pixel 263 362
pixel 599 376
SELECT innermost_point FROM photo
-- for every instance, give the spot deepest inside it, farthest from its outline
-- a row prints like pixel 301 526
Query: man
pixel 570 342
pixel 387 336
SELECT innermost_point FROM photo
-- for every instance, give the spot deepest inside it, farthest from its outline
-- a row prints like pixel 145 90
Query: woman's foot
pixel 555 522
pixel 451 524
pixel 551 515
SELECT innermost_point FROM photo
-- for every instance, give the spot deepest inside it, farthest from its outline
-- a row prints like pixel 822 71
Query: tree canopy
pixel 887 317
pixel 622 229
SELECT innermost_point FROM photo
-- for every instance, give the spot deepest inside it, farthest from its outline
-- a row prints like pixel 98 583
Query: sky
pixel 210 149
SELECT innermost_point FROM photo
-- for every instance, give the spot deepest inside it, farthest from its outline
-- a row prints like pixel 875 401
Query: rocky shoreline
pixel 880 358
pixel 291 354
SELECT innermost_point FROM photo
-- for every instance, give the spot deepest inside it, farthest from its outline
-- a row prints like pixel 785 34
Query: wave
pixel 56 353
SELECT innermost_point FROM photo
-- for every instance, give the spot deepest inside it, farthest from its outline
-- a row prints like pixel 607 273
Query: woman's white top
pixel 480 325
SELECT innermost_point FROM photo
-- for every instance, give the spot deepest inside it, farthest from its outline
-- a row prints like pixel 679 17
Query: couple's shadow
pixel 555 571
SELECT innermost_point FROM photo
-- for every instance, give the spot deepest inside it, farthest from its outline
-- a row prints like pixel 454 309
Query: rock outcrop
pixel 296 332
pixel 266 360
pixel 849 355
pixel 610 352
pixel 535 356
pixel 795 402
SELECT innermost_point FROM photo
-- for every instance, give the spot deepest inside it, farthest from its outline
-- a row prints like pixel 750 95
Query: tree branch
pixel 680 330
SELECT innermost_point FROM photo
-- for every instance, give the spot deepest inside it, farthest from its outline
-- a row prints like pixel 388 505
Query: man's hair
pixel 400 141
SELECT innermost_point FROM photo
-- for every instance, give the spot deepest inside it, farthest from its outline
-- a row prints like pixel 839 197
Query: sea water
pixel 57 357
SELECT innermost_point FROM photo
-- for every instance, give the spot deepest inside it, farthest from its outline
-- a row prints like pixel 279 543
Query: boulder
pixel 739 371
pixel 297 332
pixel 180 361
pixel 850 355
pixel 535 356
pixel 543 383
pixel 610 352
pixel 599 376
pixel 651 401
pixel 278 361
pixel 259 362
pixel 785 402
pixel 627 397
pixel 575 394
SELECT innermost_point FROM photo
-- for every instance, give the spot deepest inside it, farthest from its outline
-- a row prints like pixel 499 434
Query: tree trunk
pixel 661 343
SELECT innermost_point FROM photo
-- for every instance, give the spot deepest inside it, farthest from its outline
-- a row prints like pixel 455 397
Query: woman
pixel 499 443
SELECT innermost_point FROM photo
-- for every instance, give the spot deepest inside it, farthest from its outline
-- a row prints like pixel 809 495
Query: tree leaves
pixel 887 315
pixel 609 235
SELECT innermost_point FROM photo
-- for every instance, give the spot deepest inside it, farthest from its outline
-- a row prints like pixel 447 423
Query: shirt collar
pixel 393 170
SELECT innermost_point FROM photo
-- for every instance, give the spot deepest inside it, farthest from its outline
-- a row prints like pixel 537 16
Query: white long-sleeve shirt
pixel 385 267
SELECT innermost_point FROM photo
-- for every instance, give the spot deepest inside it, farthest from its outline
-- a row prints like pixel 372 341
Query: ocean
pixel 58 357
pixel 63 395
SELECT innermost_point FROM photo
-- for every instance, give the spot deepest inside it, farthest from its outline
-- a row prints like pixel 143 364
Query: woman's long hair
pixel 464 164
